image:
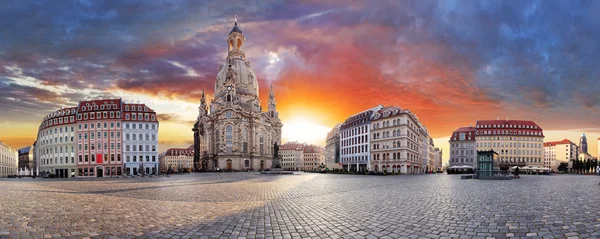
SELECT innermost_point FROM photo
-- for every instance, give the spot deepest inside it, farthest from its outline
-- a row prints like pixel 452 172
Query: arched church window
pixel 229 138
pixel 218 140
pixel 245 140
pixel 228 98
pixel 261 140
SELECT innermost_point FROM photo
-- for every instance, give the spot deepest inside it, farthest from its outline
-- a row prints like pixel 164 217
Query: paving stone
pixel 249 205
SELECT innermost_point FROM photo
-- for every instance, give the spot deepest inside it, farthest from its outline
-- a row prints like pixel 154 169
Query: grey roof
pixel 25 150
pixel 235 29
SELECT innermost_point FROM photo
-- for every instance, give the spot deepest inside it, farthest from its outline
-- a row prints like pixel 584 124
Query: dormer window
pixel 102 107
pixel 83 108
pixel 127 108
pixel 139 108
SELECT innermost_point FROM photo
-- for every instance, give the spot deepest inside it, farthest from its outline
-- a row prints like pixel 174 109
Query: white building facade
pixel 292 156
pixel 558 152
pixel 56 144
pixel 8 160
pixel 140 138
pixel 355 141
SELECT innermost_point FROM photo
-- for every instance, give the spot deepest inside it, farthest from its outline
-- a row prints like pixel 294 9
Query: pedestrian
pixel 517 172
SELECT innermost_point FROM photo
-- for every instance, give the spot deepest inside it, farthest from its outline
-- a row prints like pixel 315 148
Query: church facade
pixel 232 132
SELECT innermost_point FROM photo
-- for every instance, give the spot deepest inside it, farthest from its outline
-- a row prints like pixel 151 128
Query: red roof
pixel 291 146
pixel 114 103
pixel 508 128
pixel 507 122
pixel 180 151
pixel 469 133
pixel 554 143
pixel 313 149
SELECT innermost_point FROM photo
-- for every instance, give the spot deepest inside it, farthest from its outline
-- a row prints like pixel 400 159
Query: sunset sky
pixel 450 62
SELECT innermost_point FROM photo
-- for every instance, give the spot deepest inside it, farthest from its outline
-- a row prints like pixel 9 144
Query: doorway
pixel 229 164
pixel 99 172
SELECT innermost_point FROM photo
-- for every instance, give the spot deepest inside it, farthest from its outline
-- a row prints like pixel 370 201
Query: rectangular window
pixel 153 137
pixel 153 148
pixel 112 114
pixel 133 118
pixel 86 158
pixel 112 135
pixel 104 115
pixel 141 148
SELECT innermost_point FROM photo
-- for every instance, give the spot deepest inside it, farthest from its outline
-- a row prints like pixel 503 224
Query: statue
pixel 276 162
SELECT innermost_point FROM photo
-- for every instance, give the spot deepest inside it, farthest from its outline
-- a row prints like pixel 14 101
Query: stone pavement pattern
pixel 247 205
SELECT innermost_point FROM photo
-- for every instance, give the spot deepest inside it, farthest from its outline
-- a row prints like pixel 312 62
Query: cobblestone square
pixel 249 205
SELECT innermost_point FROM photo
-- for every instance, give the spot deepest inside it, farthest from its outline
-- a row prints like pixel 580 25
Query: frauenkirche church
pixel 232 132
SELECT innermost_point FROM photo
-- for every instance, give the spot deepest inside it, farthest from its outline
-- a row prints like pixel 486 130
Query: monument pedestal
pixel 276 168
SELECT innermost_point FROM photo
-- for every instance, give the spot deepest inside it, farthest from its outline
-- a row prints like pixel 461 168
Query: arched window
pixel 228 98
pixel 245 141
pixel 261 140
pixel 229 138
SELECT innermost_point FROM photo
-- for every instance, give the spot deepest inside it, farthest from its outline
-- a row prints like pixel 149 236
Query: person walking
pixel 517 172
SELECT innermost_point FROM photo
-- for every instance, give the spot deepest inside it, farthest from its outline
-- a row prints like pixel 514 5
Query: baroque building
pixel 177 160
pixel 463 151
pixel 332 148
pixel 232 132
pixel 8 160
pixel 87 140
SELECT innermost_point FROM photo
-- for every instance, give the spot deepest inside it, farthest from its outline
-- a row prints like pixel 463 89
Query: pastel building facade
pixel 8 160
pixel 557 152
pixel 313 158
pixel 177 159
pixel 292 156
pixel 438 154
pixel 517 142
pixel 56 144
pixel 463 150
pixel 398 142
pixel 87 140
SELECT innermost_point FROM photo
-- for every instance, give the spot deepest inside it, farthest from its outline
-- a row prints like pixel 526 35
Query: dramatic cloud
pixel 450 62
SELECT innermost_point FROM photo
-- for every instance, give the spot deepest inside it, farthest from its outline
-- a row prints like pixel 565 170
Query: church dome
pixel 244 79
pixel 236 29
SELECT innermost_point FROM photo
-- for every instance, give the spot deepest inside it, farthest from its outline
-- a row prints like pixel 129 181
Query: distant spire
pixel 235 18
pixel 202 100
pixel 271 93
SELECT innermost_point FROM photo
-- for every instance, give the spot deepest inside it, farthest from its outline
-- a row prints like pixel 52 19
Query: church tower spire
pixel 235 41
pixel 272 103
pixel 583 143
pixel 203 109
